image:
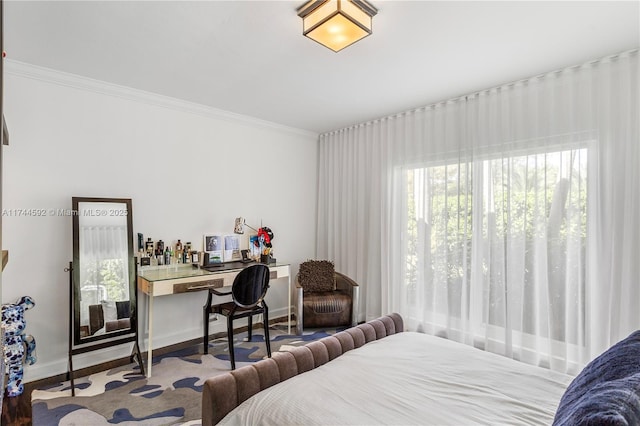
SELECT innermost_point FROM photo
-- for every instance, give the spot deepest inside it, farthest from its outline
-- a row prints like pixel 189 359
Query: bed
pixel 376 373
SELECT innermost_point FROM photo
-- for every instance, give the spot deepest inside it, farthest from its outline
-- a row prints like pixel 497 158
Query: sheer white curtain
pixel 104 251
pixel 506 219
pixel 100 242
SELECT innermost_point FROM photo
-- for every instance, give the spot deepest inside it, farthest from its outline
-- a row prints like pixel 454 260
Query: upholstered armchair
pixel 324 297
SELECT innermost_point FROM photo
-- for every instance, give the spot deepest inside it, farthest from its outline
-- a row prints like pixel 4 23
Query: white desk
pixel 167 280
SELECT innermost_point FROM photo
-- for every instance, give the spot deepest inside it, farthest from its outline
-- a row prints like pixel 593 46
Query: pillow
pixel 123 309
pixel 316 275
pixel 607 390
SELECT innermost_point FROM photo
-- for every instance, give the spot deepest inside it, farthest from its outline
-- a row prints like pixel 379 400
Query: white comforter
pixel 410 379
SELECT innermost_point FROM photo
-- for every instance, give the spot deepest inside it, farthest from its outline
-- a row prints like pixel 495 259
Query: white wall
pixel 188 169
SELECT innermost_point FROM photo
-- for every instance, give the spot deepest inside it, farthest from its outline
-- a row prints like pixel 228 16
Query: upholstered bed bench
pixel 414 378
pixel 221 394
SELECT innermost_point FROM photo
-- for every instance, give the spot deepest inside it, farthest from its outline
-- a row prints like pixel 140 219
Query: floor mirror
pixel 102 277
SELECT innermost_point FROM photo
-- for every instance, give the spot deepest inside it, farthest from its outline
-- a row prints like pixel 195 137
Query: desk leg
pixel 150 341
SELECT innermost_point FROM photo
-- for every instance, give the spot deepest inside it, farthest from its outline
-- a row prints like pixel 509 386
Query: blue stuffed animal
pixel 19 347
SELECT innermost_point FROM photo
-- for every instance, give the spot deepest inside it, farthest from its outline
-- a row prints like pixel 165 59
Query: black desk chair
pixel 248 291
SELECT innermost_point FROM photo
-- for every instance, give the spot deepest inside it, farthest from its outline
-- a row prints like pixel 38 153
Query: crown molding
pixel 61 78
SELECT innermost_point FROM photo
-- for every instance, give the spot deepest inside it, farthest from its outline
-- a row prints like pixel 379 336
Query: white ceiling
pixel 249 57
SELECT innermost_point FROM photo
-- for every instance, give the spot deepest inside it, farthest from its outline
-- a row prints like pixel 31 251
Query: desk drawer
pixel 198 285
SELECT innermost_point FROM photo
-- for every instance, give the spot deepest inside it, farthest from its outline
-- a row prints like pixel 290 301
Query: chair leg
pixel 249 328
pixel 232 356
pixel 265 323
pixel 205 338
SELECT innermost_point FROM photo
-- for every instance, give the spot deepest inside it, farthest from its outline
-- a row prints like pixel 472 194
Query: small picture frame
pixel 214 245
pixel 231 248
pixel 245 255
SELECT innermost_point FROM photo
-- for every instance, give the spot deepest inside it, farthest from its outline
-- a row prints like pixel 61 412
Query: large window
pixel 499 243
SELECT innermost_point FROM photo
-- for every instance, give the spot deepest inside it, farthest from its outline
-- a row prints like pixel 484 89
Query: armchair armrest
pixel 297 302
pixel 207 304
pixel 349 286
pixel 219 293
pixel 344 283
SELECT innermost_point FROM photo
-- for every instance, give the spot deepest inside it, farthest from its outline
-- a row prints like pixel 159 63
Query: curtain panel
pixel 506 219
pixel 104 251
pixel 104 242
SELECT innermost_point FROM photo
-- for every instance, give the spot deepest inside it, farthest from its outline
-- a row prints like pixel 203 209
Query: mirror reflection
pixel 103 269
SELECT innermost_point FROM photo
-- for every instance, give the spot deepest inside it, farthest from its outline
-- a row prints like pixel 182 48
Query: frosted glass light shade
pixel 336 24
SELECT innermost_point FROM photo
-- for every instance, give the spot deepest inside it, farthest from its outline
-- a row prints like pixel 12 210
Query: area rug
pixel 172 396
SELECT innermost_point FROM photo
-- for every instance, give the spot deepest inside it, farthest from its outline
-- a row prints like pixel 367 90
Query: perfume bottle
pixel 149 247
pixel 186 253
pixel 179 252
pixel 167 256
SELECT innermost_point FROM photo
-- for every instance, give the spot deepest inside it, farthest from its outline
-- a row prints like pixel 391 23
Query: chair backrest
pixel 250 285
pixel 96 318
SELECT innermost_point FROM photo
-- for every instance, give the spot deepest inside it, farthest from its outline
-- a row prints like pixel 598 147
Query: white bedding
pixel 408 379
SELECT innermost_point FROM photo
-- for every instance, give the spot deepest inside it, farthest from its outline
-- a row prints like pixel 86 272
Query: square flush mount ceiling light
pixel 336 24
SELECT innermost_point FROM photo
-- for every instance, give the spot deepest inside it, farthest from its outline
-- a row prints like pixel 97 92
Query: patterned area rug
pixel 172 396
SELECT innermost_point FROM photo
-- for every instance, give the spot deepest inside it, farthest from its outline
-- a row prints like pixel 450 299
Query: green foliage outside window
pixel 108 274
pixel 516 196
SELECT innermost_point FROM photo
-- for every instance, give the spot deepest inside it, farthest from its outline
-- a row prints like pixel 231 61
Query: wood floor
pixel 17 410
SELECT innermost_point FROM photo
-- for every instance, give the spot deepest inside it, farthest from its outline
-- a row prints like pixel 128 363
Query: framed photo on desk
pixel 214 245
pixel 231 248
